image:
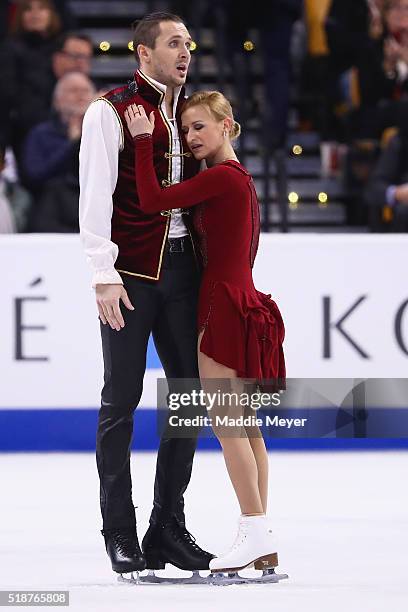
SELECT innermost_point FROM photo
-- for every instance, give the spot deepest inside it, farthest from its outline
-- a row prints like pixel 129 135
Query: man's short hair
pixel 60 44
pixel 146 30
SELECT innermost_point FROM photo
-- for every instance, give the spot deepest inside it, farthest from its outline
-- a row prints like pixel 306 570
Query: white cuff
pixel 106 277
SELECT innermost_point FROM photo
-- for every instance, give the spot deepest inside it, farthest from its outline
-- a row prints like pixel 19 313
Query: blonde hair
pixel 218 106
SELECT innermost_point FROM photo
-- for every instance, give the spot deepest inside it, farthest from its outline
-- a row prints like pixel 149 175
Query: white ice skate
pixel 254 546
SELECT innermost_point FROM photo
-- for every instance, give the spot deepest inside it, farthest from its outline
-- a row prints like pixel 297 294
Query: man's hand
pixel 137 120
pixel 107 300
pixel 401 194
pixel 74 127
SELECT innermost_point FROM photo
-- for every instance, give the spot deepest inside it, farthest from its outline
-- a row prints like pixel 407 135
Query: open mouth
pixel 182 69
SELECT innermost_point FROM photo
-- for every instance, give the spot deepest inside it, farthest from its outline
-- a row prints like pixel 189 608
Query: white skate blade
pixel 152 578
pixel 227 578
pixel 268 576
pixel 214 579
pixel 129 578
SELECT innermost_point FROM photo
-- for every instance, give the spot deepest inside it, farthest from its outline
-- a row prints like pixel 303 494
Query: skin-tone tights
pixel 244 449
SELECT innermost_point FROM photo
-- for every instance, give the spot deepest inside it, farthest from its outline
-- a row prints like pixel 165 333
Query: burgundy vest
pixel 141 237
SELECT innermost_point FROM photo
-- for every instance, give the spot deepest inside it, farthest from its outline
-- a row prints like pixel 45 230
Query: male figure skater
pixel 146 262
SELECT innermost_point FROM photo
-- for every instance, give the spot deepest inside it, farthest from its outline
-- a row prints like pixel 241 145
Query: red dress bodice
pixel 243 328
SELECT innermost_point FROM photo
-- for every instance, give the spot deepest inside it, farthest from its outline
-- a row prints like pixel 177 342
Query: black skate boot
pixel 170 542
pixel 123 550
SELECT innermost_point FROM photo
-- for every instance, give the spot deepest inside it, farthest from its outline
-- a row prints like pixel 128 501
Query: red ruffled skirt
pixel 244 330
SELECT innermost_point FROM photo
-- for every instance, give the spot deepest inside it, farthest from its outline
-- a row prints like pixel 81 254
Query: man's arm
pixel 98 173
pixel 46 153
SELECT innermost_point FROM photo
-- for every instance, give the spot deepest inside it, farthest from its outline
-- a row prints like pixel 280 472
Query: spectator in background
pixel 6 9
pixel 352 27
pixel 276 36
pixel 73 54
pixel 7 225
pixel 383 73
pixel 387 189
pixel 273 22
pixel 50 157
pixel 15 201
pixel 235 21
pixel 319 84
pixel 69 22
pixel 26 75
pixel 339 32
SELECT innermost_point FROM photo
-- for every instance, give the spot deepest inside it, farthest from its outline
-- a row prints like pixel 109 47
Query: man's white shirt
pixel 101 142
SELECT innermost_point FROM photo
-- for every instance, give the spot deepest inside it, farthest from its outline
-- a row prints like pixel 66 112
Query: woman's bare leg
pixel 261 457
pixel 239 456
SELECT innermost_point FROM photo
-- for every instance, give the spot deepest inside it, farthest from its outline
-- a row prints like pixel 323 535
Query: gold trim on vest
pixel 165 213
pixel 160 260
pixel 122 135
pixel 170 155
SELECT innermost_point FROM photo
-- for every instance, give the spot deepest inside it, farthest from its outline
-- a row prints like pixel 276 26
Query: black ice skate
pixel 170 542
pixel 124 551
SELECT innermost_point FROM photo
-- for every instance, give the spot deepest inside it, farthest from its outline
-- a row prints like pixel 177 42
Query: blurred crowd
pixel 344 72
pixel 45 91
pixel 354 92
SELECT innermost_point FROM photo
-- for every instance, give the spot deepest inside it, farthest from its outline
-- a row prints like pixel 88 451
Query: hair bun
pixel 235 130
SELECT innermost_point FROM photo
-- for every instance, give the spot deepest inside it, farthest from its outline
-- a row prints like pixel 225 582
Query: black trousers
pixel 168 309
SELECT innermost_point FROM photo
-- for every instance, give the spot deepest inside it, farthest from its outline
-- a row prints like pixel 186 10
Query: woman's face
pixel 204 134
pixel 36 18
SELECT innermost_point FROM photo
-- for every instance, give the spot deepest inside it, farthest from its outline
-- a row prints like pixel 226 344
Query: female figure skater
pixel 240 329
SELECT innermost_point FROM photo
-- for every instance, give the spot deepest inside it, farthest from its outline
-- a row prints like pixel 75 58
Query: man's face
pixel 168 62
pixel 75 96
pixel 75 56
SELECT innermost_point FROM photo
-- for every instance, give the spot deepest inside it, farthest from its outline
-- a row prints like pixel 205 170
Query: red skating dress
pixel 243 328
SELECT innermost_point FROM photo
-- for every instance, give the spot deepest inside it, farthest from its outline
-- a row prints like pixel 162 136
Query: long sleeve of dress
pixel 152 198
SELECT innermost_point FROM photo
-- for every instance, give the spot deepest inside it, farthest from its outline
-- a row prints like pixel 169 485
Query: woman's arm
pixel 153 199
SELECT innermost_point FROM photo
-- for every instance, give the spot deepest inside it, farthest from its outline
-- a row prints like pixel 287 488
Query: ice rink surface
pixel 341 520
